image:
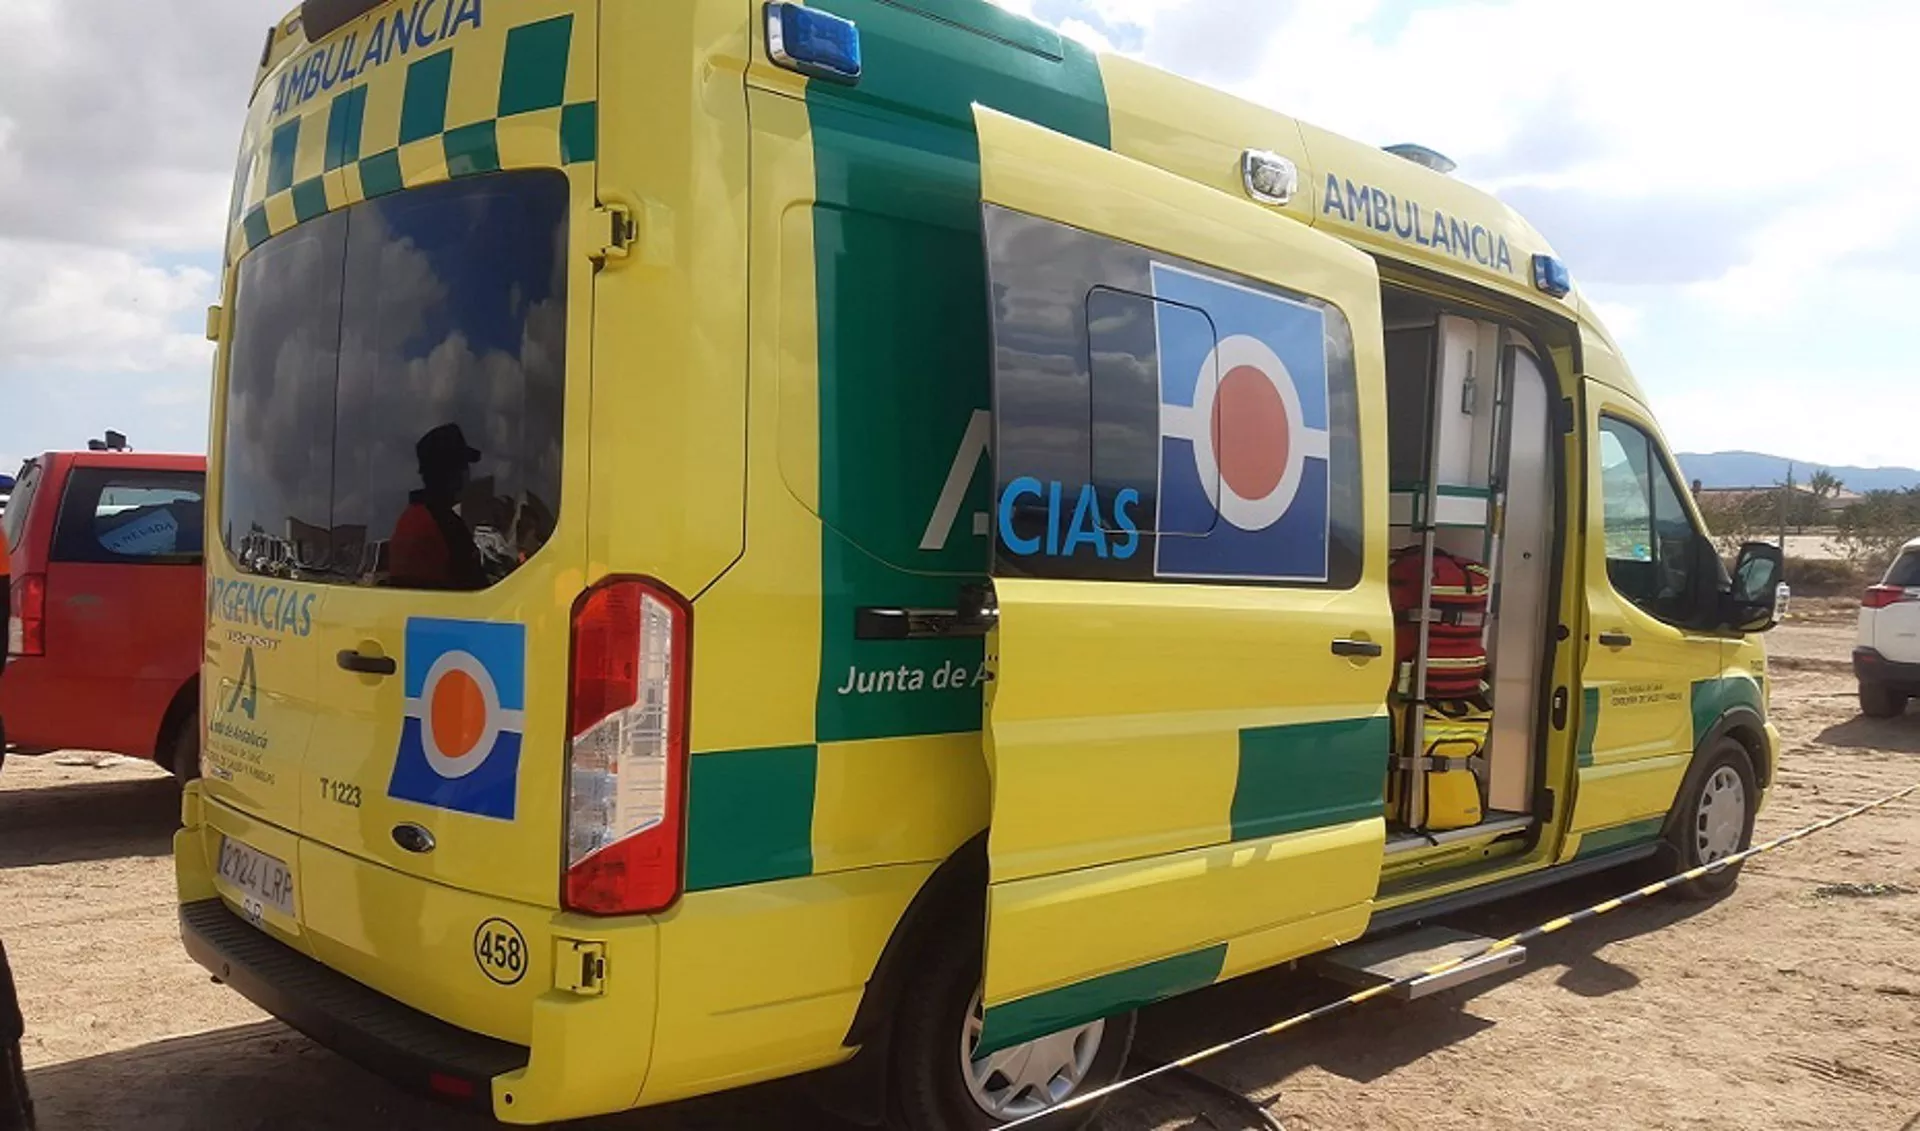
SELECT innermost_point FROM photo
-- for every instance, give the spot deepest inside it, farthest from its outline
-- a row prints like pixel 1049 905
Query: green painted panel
pixel 904 353
pixel 1043 1014
pixel 1713 698
pixel 309 199
pixel 750 816
pixel 345 123
pixel 472 150
pixel 579 132
pixel 1589 725
pixel 256 226
pixel 1310 776
pixel 423 109
pixel 535 75
pixel 1620 836
pixel 280 155
pixel 380 174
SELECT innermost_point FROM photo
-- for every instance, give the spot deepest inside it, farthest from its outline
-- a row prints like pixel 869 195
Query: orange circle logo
pixel 458 714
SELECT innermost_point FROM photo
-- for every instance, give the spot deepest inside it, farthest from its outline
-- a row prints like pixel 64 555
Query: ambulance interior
pixel 1472 482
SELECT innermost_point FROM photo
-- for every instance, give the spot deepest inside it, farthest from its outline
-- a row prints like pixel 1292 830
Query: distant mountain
pixel 1751 469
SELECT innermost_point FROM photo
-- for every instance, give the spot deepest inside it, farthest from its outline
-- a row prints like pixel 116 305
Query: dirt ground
pixel 1794 1003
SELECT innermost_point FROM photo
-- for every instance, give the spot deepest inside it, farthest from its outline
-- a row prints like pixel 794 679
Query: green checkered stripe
pixel 427 146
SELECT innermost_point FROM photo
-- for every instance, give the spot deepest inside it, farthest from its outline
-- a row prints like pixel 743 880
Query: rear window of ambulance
pixel 393 408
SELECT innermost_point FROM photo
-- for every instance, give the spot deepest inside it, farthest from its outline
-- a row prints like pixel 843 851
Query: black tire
pixel 1878 701
pixel 182 747
pixel 1685 834
pixel 927 1091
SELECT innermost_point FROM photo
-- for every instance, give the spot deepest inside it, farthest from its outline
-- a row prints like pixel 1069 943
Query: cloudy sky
pixel 1733 181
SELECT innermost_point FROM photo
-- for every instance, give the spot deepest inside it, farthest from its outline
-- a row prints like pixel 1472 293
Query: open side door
pixel 1187 726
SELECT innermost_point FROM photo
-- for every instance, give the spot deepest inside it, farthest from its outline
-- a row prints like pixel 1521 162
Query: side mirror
pixel 1760 595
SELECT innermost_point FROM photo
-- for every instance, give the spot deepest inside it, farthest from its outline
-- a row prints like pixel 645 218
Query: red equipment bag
pixel 1456 649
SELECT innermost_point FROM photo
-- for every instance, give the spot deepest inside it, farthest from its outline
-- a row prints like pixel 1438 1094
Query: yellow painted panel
pixel 669 452
pixel 1262 950
pixel 529 140
pixel 310 157
pixel 590 1054
pixel 764 617
pixel 280 214
pixel 762 981
pixel 1627 791
pixel 1057 930
pixel 473 91
pixel 386 89
pixel 1196 131
pixel 424 162
pixel 896 799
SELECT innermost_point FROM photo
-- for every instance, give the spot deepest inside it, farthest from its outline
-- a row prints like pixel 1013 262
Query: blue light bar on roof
pixel 1551 276
pixel 814 43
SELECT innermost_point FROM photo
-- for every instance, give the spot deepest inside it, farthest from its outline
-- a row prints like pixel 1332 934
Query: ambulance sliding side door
pixel 1186 725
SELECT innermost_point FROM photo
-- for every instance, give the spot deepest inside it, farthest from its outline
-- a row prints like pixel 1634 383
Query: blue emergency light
pixel 1551 276
pixel 814 43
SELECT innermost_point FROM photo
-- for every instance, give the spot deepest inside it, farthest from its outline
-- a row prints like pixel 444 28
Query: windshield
pixel 395 393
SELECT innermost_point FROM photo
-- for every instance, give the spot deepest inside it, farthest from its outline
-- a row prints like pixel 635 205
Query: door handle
pixel 366 665
pixel 1616 640
pixel 1358 649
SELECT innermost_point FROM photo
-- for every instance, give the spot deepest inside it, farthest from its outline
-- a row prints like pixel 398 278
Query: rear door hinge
pixel 580 967
pixel 613 226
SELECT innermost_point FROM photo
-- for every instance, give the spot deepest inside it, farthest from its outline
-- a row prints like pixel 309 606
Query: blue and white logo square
pixel 1244 440
pixel 466 688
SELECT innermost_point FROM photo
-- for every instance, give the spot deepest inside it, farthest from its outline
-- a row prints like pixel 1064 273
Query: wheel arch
pixel 954 896
pixel 1745 727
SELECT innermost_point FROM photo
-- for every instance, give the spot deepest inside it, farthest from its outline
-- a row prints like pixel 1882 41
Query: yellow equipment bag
pixel 1455 738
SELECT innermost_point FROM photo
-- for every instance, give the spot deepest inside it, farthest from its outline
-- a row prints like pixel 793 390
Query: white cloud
pixel 68 308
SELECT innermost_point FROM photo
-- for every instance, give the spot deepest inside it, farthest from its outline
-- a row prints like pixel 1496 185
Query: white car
pixel 1887 659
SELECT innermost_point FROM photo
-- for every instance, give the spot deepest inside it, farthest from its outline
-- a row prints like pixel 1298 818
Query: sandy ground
pixel 1794 1003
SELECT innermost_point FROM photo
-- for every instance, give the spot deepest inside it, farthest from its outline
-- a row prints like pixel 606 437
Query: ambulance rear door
pixel 1187 730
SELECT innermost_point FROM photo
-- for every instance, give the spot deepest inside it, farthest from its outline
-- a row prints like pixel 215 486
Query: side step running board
pixel 1389 959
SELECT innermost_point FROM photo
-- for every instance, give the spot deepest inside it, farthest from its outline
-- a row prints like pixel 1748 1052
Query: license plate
pixel 263 881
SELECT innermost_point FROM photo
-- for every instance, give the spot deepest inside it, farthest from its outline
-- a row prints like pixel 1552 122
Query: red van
pixel 106 616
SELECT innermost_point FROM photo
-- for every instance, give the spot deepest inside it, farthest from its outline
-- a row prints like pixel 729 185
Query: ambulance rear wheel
pixel 1714 819
pixel 939 1085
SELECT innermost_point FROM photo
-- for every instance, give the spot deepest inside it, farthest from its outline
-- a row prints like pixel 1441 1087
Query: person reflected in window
pixel 432 545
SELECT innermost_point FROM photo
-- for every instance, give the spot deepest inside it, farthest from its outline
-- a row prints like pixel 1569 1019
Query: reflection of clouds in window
pixel 467 326
pixel 279 432
pixel 454 312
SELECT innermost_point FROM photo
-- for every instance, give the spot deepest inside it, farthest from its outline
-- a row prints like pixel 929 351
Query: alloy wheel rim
pixel 1029 1078
pixel 1721 820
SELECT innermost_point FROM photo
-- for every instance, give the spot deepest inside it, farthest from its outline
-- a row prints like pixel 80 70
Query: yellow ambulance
pixel 753 538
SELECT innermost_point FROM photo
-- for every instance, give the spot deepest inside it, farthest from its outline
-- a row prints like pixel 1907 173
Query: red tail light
pixel 627 761
pixel 27 624
pixel 1880 596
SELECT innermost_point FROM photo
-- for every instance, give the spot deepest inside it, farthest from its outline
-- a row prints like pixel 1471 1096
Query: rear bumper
pixel 1872 667
pixel 404 997
pixel 381 1035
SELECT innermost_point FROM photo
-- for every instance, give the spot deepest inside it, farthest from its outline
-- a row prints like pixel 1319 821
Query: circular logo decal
pixel 1248 451
pixel 462 715
pixel 501 951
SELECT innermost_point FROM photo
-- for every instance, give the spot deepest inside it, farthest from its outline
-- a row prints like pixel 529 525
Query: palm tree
pixel 1824 484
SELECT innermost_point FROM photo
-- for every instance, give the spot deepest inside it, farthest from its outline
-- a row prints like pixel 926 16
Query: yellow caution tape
pixel 1508 943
